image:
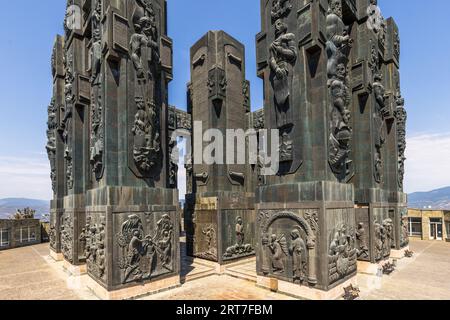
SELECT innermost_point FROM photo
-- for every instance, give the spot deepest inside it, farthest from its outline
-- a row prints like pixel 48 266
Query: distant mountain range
pixel 9 206
pixel 437 199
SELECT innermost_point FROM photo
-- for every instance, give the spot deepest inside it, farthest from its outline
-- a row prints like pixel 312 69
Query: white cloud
pixel 428 162
pixel 25 177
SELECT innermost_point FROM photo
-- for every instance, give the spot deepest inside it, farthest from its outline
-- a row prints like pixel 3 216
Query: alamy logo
pixel 234 146
pixel 73 17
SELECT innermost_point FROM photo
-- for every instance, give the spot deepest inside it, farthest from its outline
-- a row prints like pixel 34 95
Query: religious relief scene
pixel 225 150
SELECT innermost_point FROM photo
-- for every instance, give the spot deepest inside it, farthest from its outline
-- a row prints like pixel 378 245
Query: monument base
pixel 399 254
pixel 75 271
pixel 373 269
pixel 221 269
pixel 56 256
pixel 303 292
pixel 135 291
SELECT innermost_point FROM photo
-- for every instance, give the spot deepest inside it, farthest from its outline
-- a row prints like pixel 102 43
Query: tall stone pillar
pixel 395 141
pixel 74 130
pixel 132 232
pixel 219 216
pixel 55 147
pixel 376 93
pixel 306 228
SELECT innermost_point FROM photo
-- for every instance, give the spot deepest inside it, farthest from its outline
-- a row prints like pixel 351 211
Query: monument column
pixel 74 132
pixel 132 238
pixel 395 141
pixel 55 148
pixel 219 214
pixel 305 211
pixel 376 180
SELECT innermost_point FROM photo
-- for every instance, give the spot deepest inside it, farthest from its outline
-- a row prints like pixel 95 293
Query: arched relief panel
pixel 289 245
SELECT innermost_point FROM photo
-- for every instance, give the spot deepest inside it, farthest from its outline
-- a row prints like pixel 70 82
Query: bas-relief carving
pixel 52 125
pixel 342 255
pixel 240 248
pixel 404 226
pixel 142 256
pixel 66 125
pixel 97 121
pixel 67 229
pixel 290 257
pixel 401 117
pixel 93 238
pixel 52 237
pixel 384 238
pixel 145 55
pixel 338 48
pixel 210 238
pixel 283 56
pixel 361 242
pixel 379 126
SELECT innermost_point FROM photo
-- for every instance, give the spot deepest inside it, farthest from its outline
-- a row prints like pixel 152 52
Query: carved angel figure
pixel 278 248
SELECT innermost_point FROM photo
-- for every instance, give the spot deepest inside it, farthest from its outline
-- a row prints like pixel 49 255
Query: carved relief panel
pixel 342 241
pixel 288 245
pixel 238 235
pixel 93 239
pixel 144 246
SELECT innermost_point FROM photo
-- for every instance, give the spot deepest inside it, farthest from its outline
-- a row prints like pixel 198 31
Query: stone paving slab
pixel 30 274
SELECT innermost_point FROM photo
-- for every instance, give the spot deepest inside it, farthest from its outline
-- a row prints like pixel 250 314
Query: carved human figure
pixel 165 245
pixel 338 47
pixel 239 232
pixel 363 250
pixel 282 58
pixel 145 38
pixel 135 251
pixel 297 250
pixel 338 38
pixel 278 248
pixel 379 93
pixel 96 52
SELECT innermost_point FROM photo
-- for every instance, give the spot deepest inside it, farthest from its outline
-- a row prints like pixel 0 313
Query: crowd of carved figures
pixel 384 237
pixel 92 239
pixel 283 55
pixel 66 126
pixel 52 125
pixel 338 48
pixel 97 122
pixel 401 116
pixel 67 228
pixel 342 256
pixel 145 55
pixel 144 256
pixel 240 248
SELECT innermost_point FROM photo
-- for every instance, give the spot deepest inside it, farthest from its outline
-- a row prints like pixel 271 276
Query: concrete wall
pixel 14 227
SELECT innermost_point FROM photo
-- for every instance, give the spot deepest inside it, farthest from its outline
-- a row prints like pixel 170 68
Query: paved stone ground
pixel 426 276
pixel 30 274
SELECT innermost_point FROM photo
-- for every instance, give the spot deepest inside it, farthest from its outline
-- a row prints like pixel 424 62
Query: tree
pixel 23 214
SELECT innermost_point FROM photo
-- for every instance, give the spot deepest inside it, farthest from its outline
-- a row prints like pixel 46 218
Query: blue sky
pixel 27 30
